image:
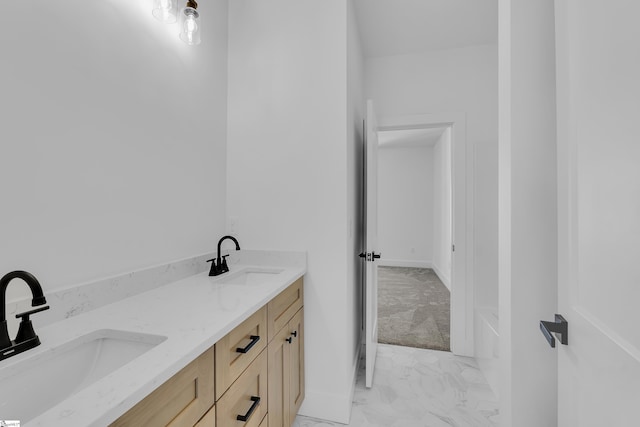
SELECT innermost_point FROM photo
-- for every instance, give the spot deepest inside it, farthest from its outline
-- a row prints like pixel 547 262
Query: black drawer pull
pixel 295 334
pixel 289 340
pixel 254 340
pixel 254 405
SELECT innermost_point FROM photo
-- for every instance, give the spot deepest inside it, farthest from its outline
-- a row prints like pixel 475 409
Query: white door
pixel 371 248
pixel 598 62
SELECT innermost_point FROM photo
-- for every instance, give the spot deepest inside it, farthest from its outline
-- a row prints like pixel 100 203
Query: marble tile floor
pixel 420 388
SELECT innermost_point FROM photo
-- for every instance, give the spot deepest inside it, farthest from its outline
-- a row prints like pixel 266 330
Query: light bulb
pixel 190 28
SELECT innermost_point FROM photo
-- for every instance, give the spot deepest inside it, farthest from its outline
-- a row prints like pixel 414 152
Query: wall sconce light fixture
pixel 190 23
pixel 167 11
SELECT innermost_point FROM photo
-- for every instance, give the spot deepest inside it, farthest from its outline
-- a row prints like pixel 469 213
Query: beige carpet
pixel 413 308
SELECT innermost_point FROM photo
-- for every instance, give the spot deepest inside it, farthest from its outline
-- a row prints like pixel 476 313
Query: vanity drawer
pixel 180 401
pixel 282 308
pixel 209 419
pixel 246 397
pixel 236 350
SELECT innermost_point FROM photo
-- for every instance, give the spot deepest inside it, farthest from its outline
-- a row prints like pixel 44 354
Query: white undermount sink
pixel 251 276
pixel 34 385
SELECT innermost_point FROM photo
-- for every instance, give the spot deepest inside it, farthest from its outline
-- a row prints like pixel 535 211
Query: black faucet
pixel 26 337
pixel 221 265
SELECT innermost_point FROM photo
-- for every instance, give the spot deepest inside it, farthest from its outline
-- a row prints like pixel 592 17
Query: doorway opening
pixel 415 233
pixel 461 226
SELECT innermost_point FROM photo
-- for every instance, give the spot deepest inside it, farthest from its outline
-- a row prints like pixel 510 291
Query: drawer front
pixel 181 401
pixel 209 419
pixel 242 397
pixel 236 350
pixel 282 308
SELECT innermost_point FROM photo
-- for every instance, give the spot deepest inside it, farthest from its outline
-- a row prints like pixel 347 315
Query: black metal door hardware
pixel 370 256
pixel 560 327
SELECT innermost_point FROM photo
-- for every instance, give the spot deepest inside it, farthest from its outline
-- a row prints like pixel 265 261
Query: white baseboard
pixel 332 407
pixel 404 263
pixel 444 279
pixel 326 406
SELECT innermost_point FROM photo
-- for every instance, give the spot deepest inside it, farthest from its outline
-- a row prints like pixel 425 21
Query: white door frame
pixel 462 295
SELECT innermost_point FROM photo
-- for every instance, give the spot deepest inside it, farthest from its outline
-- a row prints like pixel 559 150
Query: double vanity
pixel 201 351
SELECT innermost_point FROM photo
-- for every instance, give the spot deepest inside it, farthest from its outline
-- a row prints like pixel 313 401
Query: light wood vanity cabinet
pixel 282 361
pixel 286 356
pixel 258 375
pixel 181 401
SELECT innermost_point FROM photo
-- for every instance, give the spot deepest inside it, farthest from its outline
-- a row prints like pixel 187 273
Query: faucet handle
pixel 26 314
pixel 25 330
pixel 213 271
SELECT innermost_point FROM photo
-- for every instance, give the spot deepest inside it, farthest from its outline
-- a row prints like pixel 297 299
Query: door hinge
pixel 453 248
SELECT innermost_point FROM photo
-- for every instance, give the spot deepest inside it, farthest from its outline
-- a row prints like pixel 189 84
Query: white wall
pixel 289 141
pixel 528 213
pixel 406 205
pixel 442 208
pixel 113 139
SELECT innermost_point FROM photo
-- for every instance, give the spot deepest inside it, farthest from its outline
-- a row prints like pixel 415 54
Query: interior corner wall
pixel 113 139
pixel 405 205
pixel 288 168
pixel 528 212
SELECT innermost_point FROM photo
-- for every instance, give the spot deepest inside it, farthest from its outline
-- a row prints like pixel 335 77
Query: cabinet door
pixel 279 355
pixel 181 401
pixel 286 372
pixel 296 364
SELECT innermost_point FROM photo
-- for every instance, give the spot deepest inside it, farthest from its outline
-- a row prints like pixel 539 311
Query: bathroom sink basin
pixel 32 386
pixel 252 276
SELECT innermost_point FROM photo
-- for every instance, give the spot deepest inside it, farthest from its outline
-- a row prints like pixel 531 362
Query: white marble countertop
pixel 193 313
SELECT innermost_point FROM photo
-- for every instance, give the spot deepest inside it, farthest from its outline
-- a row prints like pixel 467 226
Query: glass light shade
pixel 190 26
pixel 165 10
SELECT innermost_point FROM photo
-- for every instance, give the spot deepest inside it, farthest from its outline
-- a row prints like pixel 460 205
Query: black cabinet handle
pixel 289 340
pixel 375 255
pixel 254 340
pixel 560 326
pixel 254 405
